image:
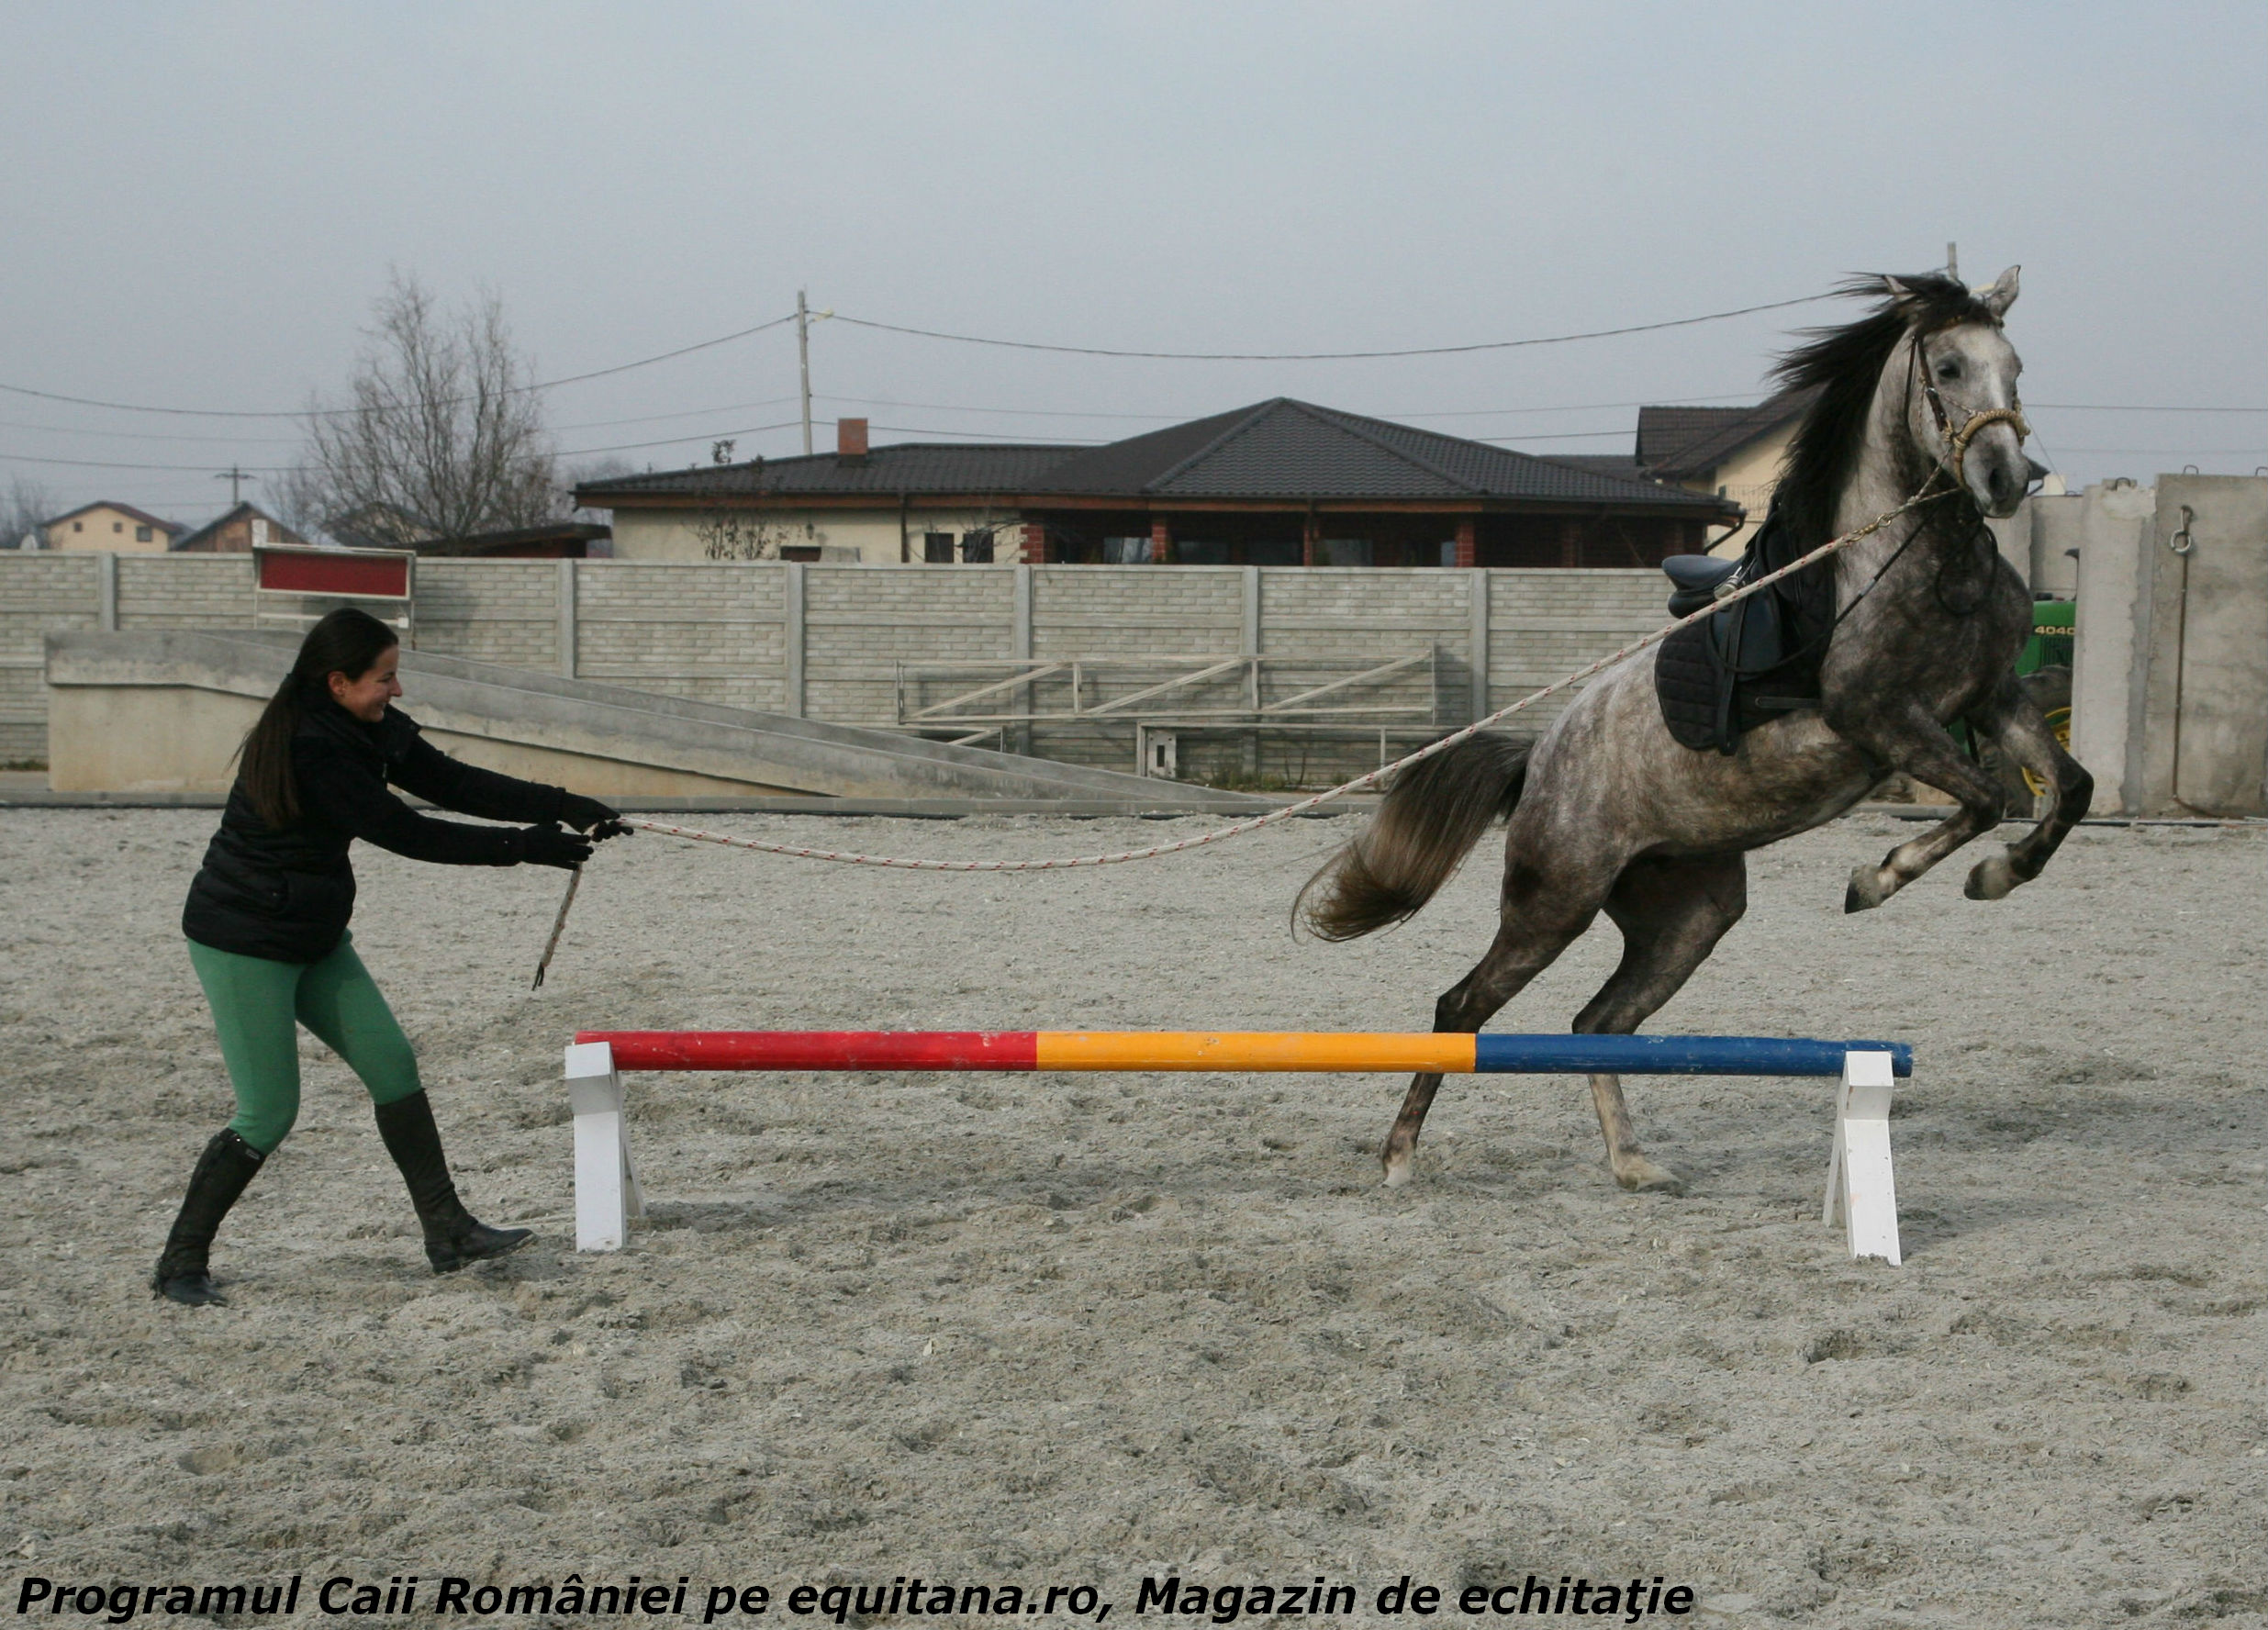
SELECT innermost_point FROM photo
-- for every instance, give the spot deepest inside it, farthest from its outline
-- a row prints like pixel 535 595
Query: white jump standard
pixel 1860 1179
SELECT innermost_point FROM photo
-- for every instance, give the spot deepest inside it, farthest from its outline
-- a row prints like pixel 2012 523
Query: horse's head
pixel 1959 388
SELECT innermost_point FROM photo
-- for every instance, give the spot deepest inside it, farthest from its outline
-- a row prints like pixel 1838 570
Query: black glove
pixel 547 846
pixel 588 815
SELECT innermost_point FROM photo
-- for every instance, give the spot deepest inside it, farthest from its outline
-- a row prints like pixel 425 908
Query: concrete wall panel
pixel 2205 735
pixel 2114 538
pixel 717 631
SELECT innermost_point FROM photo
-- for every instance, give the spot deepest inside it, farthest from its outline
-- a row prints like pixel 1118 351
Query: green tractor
pixel 2044 666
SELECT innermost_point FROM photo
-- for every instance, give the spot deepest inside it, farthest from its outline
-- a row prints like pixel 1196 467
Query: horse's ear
pixel 1998 296
pixel 1897 288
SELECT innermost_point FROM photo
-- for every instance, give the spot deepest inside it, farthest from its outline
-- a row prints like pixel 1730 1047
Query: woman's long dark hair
pixel 345 641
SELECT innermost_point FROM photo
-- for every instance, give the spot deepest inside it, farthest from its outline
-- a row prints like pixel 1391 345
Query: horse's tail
pixel 1432 815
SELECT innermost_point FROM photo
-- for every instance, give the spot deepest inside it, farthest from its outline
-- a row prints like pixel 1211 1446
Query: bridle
pixel 1975 421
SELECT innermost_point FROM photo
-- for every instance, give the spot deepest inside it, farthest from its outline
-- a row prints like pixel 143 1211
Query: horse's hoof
pixel 1641 1176
pixel 1993 878
pixel 1400 1168
pixel 1866 890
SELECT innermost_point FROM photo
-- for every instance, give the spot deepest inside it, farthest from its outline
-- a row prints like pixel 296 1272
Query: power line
pixel 989 436
pixel 1332 356
pixel 2251 452
pixel 1423 413
pixel 1033 413
pixel 2134 408
pixel 25 458
pixel 14 424
pixel 22 458
pixel 601 424
pixel 349 412
pixel 680 440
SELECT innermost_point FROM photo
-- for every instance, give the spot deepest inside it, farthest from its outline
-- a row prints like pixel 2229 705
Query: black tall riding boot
pixel 226 1164
pixel 452 1237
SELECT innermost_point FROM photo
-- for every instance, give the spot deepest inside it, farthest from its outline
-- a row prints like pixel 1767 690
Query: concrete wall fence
pixel 823 641
pixel 2170 688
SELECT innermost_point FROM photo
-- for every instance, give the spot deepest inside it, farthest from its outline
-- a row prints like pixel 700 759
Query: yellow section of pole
pixel 1250 1050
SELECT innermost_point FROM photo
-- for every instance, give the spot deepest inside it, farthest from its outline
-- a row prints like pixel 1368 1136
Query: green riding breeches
pixel 258 1006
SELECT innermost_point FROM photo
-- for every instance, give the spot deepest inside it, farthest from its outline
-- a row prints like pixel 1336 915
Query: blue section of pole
pixel 1674 1055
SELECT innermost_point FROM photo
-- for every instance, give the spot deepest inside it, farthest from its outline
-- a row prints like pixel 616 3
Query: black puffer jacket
pixel 287 894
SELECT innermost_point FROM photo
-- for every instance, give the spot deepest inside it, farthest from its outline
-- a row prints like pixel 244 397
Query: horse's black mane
pixel 1844 365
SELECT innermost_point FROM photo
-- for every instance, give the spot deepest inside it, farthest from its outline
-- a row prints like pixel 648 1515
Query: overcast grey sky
pixel 200 202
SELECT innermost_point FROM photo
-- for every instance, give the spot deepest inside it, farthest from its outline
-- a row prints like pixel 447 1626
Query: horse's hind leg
pixel 1671 914
pixel 1534 932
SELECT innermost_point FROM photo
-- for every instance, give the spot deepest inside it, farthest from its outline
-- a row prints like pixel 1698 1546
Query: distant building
pixel 1731 452
pixel 386 526
pixel 554 540
pixel 107 526
pixel 1278 483
pixel 242 529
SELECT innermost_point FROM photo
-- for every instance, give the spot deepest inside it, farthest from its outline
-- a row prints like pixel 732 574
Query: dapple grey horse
pixel 1608 813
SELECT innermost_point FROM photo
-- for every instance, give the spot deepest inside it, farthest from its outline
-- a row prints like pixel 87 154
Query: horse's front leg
pixel 1912 742
pixel 2014 721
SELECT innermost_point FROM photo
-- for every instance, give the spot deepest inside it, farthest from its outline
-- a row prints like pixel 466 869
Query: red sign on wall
pixel 367 573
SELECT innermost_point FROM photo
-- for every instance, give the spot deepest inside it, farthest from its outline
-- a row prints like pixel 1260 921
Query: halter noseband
pixel 1981 419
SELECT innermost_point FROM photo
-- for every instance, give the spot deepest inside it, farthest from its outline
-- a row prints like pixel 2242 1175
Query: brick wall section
pixel 497 611
pixel 710 633
pixel 1544 623
pixel 1136 611
pixel 39 594
pixel 714 630
pixel 861 622
pixel 184 591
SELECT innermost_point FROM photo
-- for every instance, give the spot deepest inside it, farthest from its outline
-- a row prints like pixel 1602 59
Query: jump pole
pixel 1859 1178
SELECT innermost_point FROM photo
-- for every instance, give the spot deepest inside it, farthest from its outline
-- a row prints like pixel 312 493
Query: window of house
pixel 1125 551
pixel 141 534
pixel 977 547
pixel 118 526
pixel 78 526
pixel 938 548
pixel 798 551
pixel 1344 551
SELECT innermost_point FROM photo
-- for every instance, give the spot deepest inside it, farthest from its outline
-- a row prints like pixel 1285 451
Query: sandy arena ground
pixel 1067 1330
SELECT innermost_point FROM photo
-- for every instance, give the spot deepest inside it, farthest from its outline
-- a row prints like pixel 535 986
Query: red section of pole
pixel 819 1049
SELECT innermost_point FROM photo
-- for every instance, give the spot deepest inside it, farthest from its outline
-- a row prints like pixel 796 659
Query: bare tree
pixel 443 434
pixel 604 467
pixel 23 507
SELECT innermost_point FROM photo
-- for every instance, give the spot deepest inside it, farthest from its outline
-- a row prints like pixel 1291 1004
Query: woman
pixel 267 925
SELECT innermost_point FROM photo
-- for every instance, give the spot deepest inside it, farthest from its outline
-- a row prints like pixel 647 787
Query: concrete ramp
pixel 162 711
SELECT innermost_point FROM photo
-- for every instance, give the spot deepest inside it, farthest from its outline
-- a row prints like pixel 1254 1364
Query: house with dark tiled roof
pixel 1730 452
pixel 1278 483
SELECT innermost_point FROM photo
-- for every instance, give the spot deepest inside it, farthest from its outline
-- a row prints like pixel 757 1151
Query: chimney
pixel 850 439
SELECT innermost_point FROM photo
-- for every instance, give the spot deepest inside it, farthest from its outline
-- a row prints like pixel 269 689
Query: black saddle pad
pixel 1756 659
pixel 1685 681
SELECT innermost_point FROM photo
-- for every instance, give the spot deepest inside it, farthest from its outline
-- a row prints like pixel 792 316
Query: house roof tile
pixel 912 466
pixel 1279 449
pixel 1681 444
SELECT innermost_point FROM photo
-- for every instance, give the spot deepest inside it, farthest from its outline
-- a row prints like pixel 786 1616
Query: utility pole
pixel 805 318
pixel 234 476
pixel 803 356
pixel 1952 260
